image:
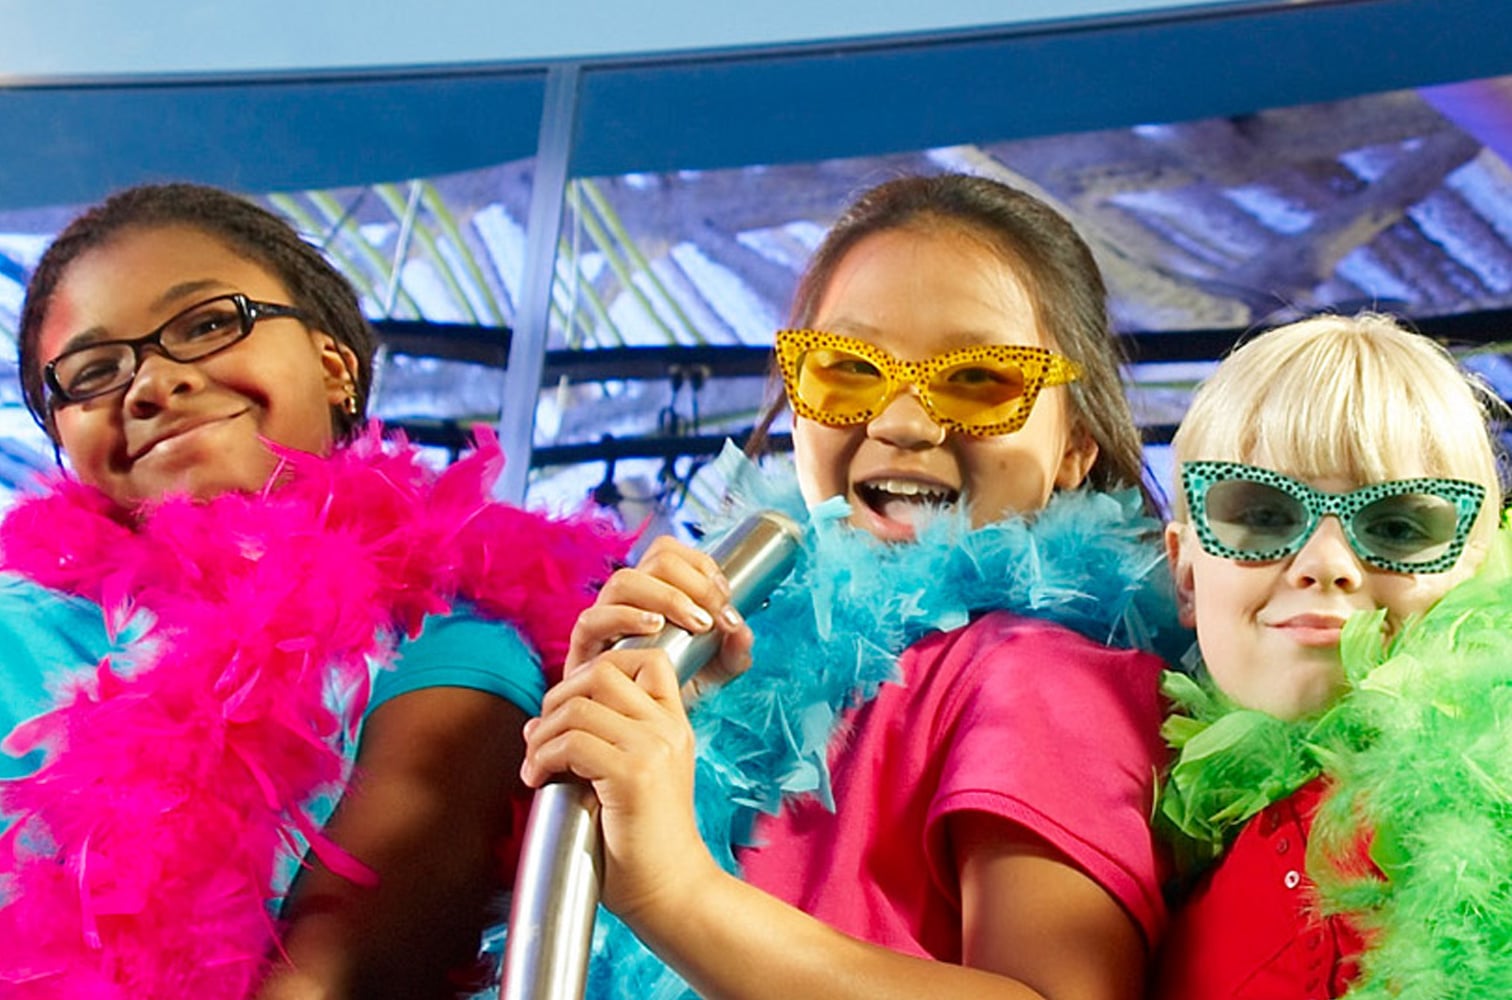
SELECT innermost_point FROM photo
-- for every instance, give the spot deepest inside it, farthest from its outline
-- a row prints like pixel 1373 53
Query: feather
pixel 1424 771
pixel 832 634
pixel 178 779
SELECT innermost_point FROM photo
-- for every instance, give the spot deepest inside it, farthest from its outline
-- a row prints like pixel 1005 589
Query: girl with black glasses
pixel 235 584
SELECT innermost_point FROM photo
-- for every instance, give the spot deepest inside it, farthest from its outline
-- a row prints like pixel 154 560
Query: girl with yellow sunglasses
pixel 934 776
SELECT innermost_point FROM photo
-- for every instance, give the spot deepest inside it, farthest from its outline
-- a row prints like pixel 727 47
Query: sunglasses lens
pixel 1407 528
pixel 1253 517
pixel 838 383
pixel 978 393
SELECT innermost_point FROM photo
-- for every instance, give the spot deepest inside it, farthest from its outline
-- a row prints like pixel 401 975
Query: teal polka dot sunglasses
pixel 1250 514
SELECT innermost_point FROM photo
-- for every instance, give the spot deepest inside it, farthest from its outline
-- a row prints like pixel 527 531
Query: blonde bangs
pixel 1355 398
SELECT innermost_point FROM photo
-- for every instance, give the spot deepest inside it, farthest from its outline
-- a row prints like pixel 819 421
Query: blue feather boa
pixel 832 634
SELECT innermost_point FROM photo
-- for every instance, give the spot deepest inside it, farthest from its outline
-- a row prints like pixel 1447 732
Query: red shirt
pixel 1014 717
pixel 1250 930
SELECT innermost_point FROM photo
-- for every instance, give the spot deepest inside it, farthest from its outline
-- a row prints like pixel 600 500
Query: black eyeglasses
pixel 198 332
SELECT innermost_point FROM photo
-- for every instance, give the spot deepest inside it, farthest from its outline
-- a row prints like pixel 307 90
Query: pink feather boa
pixel 143 855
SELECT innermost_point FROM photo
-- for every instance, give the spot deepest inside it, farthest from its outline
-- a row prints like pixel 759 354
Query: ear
pixel 1178 545
pixel 338 362
pixel 1081 451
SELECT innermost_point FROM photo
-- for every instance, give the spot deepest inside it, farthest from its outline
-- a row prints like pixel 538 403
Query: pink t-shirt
pixel 1009 716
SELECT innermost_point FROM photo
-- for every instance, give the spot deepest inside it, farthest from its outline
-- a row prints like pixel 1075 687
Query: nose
pixel 1326 560
pixel 158 378
pixel 904 423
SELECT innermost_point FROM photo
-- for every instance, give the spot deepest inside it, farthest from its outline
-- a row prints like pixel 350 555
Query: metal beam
pixel 527 347
pixel 490 345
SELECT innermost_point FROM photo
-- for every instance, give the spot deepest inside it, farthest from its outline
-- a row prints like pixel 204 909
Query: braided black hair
pixel 316 287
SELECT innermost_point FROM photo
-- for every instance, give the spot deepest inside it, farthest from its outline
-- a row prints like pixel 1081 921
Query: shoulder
pixel 1007 648
pixel 1060 736
pixel 1026 691
pixel 469 650
pixel 44 625
pixel 1039 686
pixel 45 637
pixel 19 593
pixel 1029 632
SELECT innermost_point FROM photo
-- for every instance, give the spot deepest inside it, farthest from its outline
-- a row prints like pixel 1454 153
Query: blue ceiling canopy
pixel 512 138
pixel 71 142
pixel 82 142
pixel 874 98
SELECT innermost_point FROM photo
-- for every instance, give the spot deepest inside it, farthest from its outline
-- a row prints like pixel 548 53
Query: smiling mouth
pixel 899 499
pixel 1311 621
pixel 1312 630
pixel 178 432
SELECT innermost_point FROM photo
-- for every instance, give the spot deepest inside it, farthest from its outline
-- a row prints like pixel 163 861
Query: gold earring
pixel 349 405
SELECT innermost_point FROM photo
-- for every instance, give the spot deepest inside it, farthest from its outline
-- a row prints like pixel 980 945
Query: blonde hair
pixel 1356 397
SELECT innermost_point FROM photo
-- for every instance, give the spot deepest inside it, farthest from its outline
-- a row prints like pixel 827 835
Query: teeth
pixel 909 488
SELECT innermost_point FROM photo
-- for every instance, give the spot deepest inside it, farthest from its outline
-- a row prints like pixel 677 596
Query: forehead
pixel 1342 460
pixel 142 275
pixel 917 292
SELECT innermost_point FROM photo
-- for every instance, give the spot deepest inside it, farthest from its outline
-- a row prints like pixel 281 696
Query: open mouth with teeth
pixel 902 500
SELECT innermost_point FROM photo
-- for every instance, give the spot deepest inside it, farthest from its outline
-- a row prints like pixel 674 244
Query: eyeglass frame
pixel 1053 369
pixel 249 310
pixel 1199 477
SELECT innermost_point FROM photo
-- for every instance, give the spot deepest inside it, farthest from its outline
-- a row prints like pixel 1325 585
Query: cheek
pixel 86 436
pixel 1227 595
pixel 284 381
pixel 1222 619
pixel 1403 596
pixel 821 457
pixel 1003 477
pixel 1222 660
pixel 305 427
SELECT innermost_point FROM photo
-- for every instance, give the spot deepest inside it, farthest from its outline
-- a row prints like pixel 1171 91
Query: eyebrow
pixel 183 288
pixel 954 340
pixel 171 295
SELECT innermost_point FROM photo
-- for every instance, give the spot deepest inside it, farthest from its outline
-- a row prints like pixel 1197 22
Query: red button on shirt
pixel 1249 930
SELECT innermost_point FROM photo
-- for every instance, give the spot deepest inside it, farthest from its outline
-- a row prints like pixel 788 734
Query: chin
pixel 1311 696
pixel 203 485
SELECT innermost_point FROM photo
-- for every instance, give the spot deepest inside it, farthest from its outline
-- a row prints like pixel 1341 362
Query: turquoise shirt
pixel 463 650
pixel 47 637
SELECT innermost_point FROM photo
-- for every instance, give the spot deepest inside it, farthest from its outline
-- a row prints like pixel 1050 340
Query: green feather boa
pixel 1230 764
pixel 1423 767
pixel 1419 757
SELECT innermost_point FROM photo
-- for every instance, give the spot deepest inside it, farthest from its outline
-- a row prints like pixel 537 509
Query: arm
pixel 1033 924
pixel 436 770
pixel 1035 927
pixel 1030 914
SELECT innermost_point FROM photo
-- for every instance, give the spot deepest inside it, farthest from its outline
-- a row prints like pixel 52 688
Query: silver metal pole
pixel 557 886
pixel 543 230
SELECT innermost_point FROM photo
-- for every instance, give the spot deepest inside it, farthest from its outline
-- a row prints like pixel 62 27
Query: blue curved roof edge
pixel 75 144
pixel 730 110
pixel 72 144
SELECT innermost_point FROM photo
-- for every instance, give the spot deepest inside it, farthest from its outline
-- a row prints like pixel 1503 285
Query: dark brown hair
pixel 317 288
pixel 1055 264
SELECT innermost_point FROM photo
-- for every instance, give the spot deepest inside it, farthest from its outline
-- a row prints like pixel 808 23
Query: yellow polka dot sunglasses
pixel 984 390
